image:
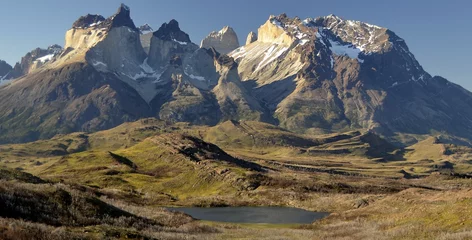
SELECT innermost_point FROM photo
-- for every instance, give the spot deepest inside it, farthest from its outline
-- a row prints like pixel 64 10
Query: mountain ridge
pixel 317 75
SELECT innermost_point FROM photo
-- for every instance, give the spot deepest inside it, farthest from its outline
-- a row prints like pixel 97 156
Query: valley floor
pixel 114 183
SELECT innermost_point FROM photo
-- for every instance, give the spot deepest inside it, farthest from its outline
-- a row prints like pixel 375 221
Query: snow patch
pixel 146 32
pixel 303 41
pixel 46 58
pixel 345 50
pixel 270 56
pixel 95 24
pixel 238 53
pixel 145 66
pixel 179 42
pixel 100 66
pixel 277 23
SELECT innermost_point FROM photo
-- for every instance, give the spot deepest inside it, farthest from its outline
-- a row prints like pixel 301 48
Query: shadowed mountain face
pixel 5 70
pixel 75 97
pixel 314 76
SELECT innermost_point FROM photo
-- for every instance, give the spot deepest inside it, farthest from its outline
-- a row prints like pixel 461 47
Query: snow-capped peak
pixel 145 29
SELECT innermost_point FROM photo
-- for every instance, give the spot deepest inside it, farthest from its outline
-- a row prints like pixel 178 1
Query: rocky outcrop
pixel 145 29
pixel 88 20
pixel 167 42
pixel 251 37
pixel 234 100
pixel 171 32
pixel 273 31
pixel 223 41
pixel 121 18
pixel 34 60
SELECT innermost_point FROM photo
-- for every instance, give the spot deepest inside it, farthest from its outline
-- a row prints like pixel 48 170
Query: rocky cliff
pixel 223 41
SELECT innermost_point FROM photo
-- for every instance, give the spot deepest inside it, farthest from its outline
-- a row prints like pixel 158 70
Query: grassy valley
pixel 115 183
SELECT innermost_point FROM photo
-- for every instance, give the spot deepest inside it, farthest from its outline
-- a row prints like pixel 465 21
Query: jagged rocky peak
pixel 274 30
pixel 35 59
pixel 145 29
pixel 122 18
pixel 116 36
pixel 171 32
pixel 224 41
pixel 251 37
pixel 88 20
pixel 365 36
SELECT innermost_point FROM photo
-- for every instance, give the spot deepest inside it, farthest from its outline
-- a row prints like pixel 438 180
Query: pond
pixel 274 215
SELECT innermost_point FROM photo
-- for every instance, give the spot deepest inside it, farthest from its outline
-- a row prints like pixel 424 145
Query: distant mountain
pixel 5 70
pixel 145 29
pixel 34 60
pixel 223 41
pixel 315 76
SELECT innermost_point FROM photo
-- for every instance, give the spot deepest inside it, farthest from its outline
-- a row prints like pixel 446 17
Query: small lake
pixel 274 215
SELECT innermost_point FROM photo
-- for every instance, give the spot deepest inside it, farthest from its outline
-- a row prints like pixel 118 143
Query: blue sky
pixel 437 32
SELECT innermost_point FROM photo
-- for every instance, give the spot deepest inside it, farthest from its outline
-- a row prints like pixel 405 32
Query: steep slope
pixel 75 91
pixel 329 74
pixel 75 97
pixel 196 85
pixel 223 41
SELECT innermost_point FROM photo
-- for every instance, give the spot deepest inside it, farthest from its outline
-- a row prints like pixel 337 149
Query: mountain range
pixel 313 76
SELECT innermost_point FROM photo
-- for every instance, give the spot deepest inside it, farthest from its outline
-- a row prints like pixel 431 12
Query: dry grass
pixel 403 194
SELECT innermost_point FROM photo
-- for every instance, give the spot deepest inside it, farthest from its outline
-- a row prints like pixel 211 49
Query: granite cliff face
pixel 146 33
pixel 223 41
pixel 316 75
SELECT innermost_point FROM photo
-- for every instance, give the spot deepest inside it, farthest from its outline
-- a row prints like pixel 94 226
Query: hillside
pixel 136 167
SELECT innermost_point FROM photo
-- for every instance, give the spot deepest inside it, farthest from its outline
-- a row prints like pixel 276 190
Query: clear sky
pixel 439 33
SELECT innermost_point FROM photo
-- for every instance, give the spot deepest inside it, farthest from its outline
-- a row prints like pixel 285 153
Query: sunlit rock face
pixel 223 41
pixel 251 37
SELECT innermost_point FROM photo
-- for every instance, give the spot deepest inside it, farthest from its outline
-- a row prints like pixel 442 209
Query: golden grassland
pixel 373 189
